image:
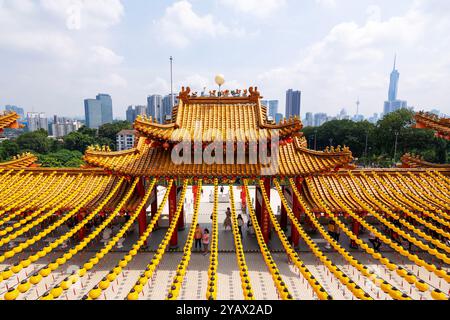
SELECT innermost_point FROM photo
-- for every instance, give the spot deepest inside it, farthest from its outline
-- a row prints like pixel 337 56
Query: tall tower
pixel 393 85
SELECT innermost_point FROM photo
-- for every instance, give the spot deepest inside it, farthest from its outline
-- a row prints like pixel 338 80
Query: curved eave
pixel 409 161
pixel 10 120
pixel 23 162
pixel 441 126
pixel 292 161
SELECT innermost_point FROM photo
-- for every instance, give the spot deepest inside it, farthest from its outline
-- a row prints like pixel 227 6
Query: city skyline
pixel 346 56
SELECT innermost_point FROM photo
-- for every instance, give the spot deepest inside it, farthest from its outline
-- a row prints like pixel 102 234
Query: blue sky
pixel 55 53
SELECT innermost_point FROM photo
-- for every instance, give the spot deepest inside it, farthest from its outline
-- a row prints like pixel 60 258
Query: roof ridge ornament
pixel 184 94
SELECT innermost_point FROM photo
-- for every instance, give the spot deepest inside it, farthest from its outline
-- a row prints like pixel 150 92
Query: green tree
pixel 77 141
pixel 9 149
pixel 62 158
pixel 36 141
pixel 87 131
pixel 110 130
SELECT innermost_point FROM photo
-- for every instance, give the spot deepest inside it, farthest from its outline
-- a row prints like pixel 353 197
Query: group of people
pixel 334 231
pixel 201 238
pixel 227 221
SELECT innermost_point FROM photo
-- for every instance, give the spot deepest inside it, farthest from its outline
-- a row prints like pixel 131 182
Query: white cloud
pixel 102 55
pixel 326 3
pixel 45 47
pixel 181 24
pixel 84 14
pixel 355 60
pixel 259 8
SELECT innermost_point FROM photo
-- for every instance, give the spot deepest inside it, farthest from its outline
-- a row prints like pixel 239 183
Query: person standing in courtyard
pixel 376 243
pixel 337 232
pixel 240 222
pixel 198 237
pixel 205 240
pixel 227 221
pixel 331 230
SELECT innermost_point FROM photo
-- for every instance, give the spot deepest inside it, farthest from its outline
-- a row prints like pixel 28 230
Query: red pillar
pixel 265 218
pixel 181 219
pixel 172 210
pixel 284 217
pixel 194 192
pixel 243 199
pixel 297 211
pixel 154 205
pixel 355 229
pixel 82 232
pixel 142 218
pixel 258 198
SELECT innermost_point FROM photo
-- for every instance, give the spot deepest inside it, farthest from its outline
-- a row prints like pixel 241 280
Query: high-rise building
pixel 309 120
pixel 293 103
pixel 358 118
pixel 374 118
pixel 167 107
pixel 107 108
pixel 343 114
pixel 140 110
pixel 62 126
pixel 393 103
pixel 93 113
pixel 16 109
pixel 273 108
pixel 393 83
pixel 37 121
pixel 98 111
pixel 154 107
pixel 131 114
pixel 278 117
pixel 265 103
pixel 320 119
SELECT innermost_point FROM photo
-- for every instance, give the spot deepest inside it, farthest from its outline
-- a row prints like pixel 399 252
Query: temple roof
pixel 21 161
pixel 237 119
pixel 431 121
pixel 385 185
pixel 145 160
pixel 207 119
pixel 414 161
pixel 9 120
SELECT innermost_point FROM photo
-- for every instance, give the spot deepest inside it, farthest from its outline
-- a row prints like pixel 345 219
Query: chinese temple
pixel 412 202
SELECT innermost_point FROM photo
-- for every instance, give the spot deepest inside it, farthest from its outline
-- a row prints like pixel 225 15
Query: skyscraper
pixel 394 104
pixel 107 109
pixel 278 117
pixel 154 107
pixel 98 111
pixel 309 120
pixel 393 84
pixel 167 106
pixel 320 119
pixel 293 103
pixel 131 115
pixel 93 113
pixel 273 108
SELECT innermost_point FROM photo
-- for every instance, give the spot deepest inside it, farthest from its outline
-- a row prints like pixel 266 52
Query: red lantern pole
pixel 172 210
pixel 265 218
